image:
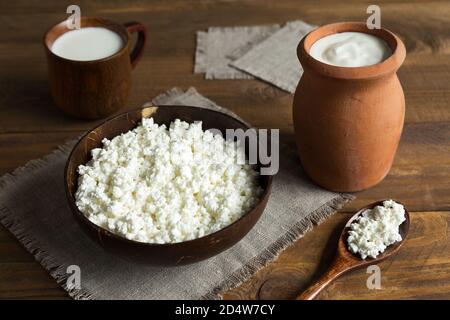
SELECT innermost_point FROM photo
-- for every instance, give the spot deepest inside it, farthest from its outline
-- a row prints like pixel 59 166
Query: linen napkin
pixel 217 47
pixel 34 209
pixel 274 60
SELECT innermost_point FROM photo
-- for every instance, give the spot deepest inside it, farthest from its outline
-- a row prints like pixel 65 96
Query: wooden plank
pixel 20 275
pixel 237 7
pixel 25 103
pixel 18 149
pixel 418 271
pixel 420 176
pixel 31 126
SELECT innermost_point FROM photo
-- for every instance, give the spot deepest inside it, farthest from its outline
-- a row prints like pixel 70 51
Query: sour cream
pixel 350 49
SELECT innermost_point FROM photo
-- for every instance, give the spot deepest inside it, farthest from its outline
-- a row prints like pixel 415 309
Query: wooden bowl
pixel 160 254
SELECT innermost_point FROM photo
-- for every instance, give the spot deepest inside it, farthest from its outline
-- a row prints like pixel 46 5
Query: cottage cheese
pixel 164 185
pixel 376 229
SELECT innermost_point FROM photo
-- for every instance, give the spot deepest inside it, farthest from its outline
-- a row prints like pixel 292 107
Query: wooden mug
pixel 97 88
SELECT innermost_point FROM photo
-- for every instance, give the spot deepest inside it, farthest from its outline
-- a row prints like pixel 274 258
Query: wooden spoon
pixel 346 261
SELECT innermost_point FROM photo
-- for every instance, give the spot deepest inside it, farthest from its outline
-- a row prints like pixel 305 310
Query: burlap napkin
pixel 217 47
pixel 33 208
pixel 275 59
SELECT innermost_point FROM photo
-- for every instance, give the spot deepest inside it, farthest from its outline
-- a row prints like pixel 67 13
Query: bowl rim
pixel 105 232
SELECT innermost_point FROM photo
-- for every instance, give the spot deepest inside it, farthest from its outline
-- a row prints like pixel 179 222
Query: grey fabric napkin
pixel 33 208
pixel 275 59
pixel 217 47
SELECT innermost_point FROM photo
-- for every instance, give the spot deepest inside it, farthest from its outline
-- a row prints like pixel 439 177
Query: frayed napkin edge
pixel 200 61
pixel 259 73
pixel 56 269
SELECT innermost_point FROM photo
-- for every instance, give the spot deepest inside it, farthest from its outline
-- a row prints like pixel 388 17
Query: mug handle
pixel 138 49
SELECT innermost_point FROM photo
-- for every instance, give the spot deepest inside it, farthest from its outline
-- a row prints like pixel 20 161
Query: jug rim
pixel 383 68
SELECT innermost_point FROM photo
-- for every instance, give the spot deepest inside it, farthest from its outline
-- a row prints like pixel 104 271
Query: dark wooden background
pixel 31 126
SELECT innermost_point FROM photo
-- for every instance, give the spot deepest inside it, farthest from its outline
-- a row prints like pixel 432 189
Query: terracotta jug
pixel 348 120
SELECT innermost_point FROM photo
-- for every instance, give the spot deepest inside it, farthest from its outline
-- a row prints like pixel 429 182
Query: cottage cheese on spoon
pixel 376 229
pixel 163 185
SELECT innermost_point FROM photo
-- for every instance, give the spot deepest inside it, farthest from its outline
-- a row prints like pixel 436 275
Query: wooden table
pixel 31 126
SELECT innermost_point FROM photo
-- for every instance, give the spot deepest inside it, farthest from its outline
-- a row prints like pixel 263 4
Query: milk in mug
pixel 87 44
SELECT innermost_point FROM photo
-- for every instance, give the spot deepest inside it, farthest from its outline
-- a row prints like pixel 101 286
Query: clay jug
pixel 348 120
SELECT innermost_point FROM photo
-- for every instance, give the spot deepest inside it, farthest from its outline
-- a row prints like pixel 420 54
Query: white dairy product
pixel 86 44
pixel 159 185
pixel 376 229
pixel 350 49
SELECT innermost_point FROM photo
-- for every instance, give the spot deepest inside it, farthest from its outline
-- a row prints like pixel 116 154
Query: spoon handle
pixel 337 268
